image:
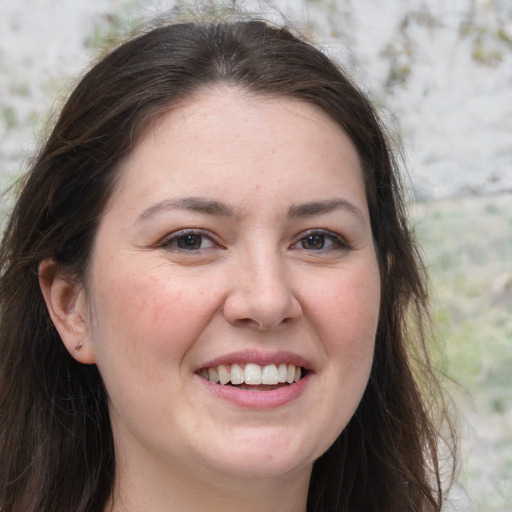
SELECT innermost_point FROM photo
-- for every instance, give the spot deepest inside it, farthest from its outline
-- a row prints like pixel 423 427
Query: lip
pixel 257 357
pixel 258 399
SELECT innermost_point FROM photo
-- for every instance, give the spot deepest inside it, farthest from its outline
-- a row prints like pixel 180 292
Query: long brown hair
pixel 56 447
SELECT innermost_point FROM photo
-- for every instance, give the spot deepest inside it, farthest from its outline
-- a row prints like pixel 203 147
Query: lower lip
pixel 258 399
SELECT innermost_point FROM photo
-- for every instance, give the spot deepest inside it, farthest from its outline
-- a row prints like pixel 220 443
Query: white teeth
pixel 253 374
pixel 281 376
pixel 269 374
pixel 224 375
pixel 290 373
pixel 213 375
pixel 237 374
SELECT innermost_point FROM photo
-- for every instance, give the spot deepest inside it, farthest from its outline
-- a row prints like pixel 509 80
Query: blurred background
pixel 440 72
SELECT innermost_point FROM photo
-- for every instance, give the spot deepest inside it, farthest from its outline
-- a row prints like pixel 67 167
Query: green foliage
pixel 468 245
pixel 488 46
pixel 106 33
pixel 468 248
pixel 503 36
pixel 20 89
pixel 485 56
pixel 112 28
pixel 8 115
pixel 211 8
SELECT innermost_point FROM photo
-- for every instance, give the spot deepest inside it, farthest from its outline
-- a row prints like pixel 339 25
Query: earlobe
pixel 65 301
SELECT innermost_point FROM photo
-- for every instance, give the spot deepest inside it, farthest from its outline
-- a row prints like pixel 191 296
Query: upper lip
pixel 258 357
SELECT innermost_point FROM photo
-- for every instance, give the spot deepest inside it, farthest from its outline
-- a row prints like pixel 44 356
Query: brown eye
pixel 320 240
pixel 188 241
pixel 313 242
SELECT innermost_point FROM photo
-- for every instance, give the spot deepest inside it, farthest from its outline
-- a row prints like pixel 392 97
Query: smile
pixel 252 374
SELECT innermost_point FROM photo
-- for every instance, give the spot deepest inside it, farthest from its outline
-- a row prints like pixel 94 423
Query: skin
pixel 151 314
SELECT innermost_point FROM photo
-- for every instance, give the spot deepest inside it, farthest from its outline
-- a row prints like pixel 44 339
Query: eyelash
pixel 172 242
pixel 337 242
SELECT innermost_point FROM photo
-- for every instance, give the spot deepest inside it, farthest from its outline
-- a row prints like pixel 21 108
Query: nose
pixel 261 294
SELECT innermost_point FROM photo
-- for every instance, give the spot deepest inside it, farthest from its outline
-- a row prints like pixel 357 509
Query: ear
pixel 65 300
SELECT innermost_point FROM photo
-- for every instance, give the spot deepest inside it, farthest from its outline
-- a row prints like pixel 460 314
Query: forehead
pixel 224 136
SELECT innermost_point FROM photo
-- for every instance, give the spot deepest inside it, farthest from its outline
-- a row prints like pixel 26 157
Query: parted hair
pixel 56 442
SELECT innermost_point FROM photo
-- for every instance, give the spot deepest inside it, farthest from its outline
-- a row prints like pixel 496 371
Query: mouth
pixel 254 377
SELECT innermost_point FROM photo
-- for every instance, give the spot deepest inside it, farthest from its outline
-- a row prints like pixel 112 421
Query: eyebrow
pixel 218 208
pixel 196 204
pixel 321 207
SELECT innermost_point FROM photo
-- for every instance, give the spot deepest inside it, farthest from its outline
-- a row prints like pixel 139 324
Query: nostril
pixel 261 311
pixel 248 322
pixel 260 326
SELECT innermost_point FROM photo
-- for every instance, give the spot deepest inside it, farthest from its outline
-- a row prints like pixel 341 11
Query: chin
pixel 263 468
pixel 268 456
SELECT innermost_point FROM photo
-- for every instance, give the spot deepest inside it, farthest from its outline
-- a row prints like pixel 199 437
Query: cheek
pixel 148 317
pixel 350 303
pixel 344 314
pixel 346 317
pixel 144 326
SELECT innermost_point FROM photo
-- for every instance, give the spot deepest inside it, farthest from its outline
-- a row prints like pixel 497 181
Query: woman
pixel 207 292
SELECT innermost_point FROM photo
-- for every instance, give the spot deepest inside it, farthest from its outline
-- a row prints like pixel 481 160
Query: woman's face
pixel 237 246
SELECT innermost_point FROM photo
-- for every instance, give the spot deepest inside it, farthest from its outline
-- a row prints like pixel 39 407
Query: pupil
pixel 313 242
pixel 189 242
